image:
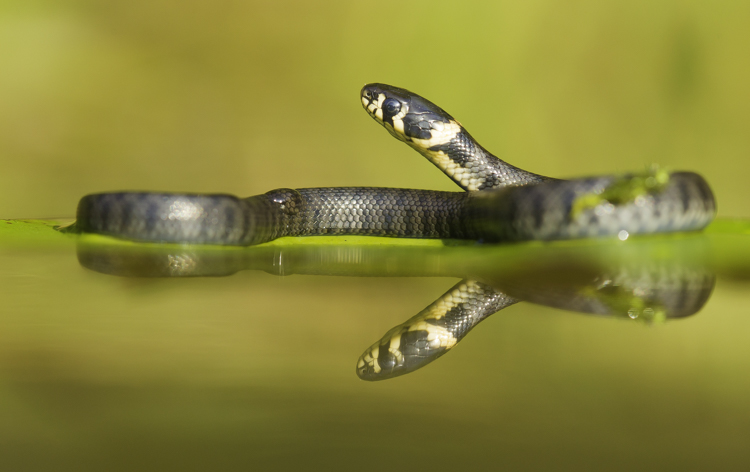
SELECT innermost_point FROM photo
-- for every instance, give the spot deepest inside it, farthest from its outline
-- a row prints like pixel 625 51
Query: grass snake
pixel 500 202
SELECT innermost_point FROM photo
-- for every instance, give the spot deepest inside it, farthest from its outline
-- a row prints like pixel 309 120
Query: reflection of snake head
pixel 404 349
pixel 409 117
pixel 432 332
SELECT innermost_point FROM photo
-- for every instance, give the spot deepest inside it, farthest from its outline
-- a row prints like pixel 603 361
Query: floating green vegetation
pixel 623 190
pixel 624 303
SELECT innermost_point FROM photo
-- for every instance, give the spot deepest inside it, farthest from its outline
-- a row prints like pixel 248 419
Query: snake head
pixel 407 116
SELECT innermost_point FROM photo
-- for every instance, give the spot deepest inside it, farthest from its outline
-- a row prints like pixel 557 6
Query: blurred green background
pixel 256 371
pixel 246 96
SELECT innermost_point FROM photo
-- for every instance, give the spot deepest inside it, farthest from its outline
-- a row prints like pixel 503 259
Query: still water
pixel 608 355
pixel 619 355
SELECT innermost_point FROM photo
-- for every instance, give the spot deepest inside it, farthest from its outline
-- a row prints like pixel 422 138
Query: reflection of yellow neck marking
pixel 437 336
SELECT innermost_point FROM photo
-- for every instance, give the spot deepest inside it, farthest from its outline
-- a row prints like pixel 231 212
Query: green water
pixel 120 356
pixel 245 358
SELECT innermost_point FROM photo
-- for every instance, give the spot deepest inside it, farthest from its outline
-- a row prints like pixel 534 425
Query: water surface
pixel 119 355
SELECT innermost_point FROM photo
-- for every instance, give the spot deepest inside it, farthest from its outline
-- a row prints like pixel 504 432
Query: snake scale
pixel 500 202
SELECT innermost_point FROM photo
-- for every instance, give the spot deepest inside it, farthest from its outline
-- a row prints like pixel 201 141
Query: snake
pixel 498 202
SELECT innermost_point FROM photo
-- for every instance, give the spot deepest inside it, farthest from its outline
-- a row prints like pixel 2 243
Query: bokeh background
pixel 256 372
pixel 246 96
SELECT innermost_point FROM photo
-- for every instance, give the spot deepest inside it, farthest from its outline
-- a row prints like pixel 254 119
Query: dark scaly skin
pixel 228 220
pixel 178 218
pixel 514 214
pixel 373 211
pixel 543 212
pixel 435 134
pixel 503 202
pixel 649 294
pixel 511 204
pixel 432 332
pixel 636 287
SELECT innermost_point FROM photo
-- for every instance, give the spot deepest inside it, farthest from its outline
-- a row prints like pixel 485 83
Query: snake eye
pixel 392 106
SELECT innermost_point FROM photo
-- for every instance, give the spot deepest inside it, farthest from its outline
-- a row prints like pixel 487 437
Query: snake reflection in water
pixel 649 281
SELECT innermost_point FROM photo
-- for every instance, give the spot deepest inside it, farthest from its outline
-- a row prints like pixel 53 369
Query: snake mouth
pixel 372 102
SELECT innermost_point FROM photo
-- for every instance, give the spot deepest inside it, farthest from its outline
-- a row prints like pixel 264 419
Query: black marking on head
pixel 420 112
pixel 419 125
pixel 417 103
pixel 367 93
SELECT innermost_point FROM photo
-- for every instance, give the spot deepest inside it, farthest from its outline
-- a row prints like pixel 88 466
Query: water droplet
pixel 604 209
pixel 623 235
pixel 633 313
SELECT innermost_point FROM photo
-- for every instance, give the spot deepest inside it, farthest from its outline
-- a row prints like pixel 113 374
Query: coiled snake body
pixel 500 202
